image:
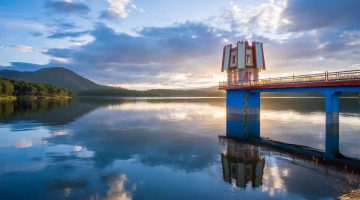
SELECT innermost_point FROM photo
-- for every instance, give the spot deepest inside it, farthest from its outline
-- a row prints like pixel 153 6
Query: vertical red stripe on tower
pixel 223 60
pixel 253 51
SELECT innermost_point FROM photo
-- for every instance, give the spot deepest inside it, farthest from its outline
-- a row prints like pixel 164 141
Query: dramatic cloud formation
pixel 123 58
pixel 298 36
pixel 310 15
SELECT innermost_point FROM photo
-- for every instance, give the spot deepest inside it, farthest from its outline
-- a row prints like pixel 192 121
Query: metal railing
pixel 308 78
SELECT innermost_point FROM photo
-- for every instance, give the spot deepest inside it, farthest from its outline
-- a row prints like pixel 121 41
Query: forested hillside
pixel 57 76
pixel 11 87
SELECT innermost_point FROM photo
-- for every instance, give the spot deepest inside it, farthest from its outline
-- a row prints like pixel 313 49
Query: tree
pixel 8 88
pixel 41 90
pixel 1 88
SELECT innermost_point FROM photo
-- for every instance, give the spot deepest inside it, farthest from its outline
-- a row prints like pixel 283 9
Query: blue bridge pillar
pixel 243 114
pixel 235 102
pixel 332 123
pixel 241 102
pixel 253 103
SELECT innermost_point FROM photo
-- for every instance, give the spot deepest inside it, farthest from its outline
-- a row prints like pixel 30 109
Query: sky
pixel 143 44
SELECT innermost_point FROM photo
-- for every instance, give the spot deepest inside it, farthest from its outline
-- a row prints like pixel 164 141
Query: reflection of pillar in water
pixel 332 140
pixel 253 125
pixel 236 126
pixel 242 163
pixel 243 126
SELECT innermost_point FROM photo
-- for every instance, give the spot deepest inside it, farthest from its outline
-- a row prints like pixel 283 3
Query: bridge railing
pixel 308 78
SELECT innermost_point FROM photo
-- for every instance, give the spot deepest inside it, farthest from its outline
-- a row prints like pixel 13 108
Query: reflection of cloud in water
pixel 174 111
pixel 273 182
pixel 117 190
pixel 22 139
pixel 60 133
pixel 78 148
pixel 290 116
pixel 69 150
pixel 23 143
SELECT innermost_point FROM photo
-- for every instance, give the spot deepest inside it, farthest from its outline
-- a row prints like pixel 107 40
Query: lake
pixel 168 149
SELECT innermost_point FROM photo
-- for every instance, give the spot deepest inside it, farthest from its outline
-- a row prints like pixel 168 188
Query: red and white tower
pixel 243 62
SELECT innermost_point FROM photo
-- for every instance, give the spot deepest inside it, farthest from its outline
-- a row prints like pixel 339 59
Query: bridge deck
pixel 327 79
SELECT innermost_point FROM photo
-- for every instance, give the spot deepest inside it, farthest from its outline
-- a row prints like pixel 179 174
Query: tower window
pixel 248 59
pixel 234 59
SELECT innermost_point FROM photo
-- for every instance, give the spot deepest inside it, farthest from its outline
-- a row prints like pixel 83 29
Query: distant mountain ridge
pixel 57 76
pixel 66 78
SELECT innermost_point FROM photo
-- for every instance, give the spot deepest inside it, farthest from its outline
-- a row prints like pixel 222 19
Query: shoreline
pixel 14 98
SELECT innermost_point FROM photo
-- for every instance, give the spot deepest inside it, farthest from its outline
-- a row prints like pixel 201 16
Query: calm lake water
pixel 166 149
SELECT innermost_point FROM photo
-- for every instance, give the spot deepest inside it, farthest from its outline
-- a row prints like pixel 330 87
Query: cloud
pixel 23 48
pixel 154 55
pixel 67 7
pixel 117 9
pixel 311 15
pixel 18 47
pixel 36 33
pixel 61 25
pixel 264 19
pixel 298 36
pixel 65 34
pixel 137 8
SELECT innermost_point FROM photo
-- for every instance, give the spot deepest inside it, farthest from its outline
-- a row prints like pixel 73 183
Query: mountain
pixel 62 77
pixel 57 76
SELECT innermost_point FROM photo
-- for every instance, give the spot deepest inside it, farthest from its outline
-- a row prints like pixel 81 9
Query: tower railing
pixel 308 78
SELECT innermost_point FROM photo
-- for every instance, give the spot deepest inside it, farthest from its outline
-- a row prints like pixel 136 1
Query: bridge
pixel 243 90
pixel 243 98
pixel 326 79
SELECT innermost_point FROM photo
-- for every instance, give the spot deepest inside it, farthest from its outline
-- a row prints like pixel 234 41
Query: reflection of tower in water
pixel 242 163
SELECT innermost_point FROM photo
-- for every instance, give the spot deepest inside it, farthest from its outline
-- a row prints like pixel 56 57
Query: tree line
pixel 12 87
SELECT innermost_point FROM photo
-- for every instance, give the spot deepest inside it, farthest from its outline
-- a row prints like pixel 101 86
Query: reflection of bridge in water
pixel 246 129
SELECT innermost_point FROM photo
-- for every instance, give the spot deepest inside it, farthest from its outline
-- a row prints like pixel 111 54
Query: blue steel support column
pixel 235 101
pixel 243 114
pixel 253 103
pixel 332 123
pixel 253 114
pixel 235 115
